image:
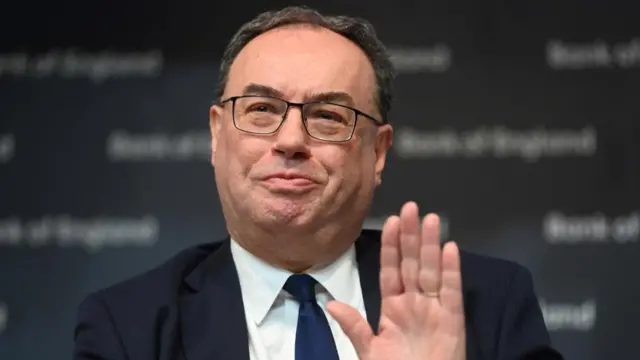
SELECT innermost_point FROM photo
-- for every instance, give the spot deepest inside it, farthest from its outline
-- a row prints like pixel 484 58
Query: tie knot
pixel 301 287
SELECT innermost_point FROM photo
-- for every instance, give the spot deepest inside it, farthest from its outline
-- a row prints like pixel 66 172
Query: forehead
pixel 302 60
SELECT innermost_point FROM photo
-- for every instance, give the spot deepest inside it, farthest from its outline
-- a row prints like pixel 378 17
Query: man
pixel 299 139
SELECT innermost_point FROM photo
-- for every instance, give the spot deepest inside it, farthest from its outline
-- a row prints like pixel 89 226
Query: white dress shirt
pixel 272 314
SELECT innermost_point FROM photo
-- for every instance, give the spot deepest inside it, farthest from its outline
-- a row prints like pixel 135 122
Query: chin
pixel 287 212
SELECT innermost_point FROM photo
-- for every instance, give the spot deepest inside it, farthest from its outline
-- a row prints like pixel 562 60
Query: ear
pixel 215 123
pixel 384 139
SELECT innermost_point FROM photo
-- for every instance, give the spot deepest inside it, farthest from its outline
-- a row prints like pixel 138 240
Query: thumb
pixel 353 324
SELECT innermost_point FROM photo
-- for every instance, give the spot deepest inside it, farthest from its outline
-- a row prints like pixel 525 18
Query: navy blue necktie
pixel 314 340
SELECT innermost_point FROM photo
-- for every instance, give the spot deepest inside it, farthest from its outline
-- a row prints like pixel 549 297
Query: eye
pixel 328 115
pixel 261 107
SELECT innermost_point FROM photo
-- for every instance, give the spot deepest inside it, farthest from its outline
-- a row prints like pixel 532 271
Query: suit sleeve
pixel 523 334
pixel 95 333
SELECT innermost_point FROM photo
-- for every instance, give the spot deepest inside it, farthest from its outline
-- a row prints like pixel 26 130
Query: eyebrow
pixel 331 96
pixel 328 96
pixel 261 90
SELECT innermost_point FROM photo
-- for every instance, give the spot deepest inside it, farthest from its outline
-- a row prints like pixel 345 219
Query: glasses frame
pixel 291 104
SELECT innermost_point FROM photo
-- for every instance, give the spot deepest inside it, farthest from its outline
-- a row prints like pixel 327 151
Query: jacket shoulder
pixel 161 283
pixel 131 316
pixel 483 271
pixel 477 269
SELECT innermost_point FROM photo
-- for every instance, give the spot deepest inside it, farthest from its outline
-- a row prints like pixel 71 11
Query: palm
pixel 422 313
pixel 407 321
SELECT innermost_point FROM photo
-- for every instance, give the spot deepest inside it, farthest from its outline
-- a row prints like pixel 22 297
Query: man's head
pixel 296 192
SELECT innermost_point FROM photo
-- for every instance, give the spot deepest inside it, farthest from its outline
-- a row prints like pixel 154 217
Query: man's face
pixel 331 182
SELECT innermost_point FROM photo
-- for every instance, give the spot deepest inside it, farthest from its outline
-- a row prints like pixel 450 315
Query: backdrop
pixel 518 122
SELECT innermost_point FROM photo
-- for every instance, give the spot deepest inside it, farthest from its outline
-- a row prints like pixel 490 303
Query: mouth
pixel 289 183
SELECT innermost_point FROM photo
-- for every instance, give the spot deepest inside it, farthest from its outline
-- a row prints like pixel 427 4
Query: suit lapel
pixel 213 322
pixel 368 257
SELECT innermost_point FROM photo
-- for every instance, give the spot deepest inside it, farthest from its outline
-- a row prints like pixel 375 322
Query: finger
pixel 451 290
pixel 410 246
pixel 430 253
pixel 390 280
pixel 353 325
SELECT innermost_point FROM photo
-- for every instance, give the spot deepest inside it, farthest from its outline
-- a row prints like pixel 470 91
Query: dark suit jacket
pixel 190 308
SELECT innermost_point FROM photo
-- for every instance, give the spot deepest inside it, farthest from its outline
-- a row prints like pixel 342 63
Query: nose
pixel 292 138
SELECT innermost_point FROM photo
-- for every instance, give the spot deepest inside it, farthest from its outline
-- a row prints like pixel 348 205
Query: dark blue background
pixel 498 77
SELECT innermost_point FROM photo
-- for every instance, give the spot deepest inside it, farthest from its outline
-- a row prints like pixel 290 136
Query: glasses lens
pixel 257 114
pixel 329 122
pixel 263 115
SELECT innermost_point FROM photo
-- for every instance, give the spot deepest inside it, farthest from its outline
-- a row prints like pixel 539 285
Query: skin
pixel 422 316
pixel 292 229
pixel 297 227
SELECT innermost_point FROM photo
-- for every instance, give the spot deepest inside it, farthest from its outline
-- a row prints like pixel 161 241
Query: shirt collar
pixel 340 278
pixel 261 283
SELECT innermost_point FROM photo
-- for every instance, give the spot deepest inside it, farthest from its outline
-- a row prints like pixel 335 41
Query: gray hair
pixel 358 30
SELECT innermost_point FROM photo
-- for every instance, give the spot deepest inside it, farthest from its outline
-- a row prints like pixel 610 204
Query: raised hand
pixel 422 316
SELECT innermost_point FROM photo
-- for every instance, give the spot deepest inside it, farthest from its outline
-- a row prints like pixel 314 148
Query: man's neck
pixel 314 254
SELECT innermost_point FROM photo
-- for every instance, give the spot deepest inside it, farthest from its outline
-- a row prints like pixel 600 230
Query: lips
pixel 289 176
pixel 289 182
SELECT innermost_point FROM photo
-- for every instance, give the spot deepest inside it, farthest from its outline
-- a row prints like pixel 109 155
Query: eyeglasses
pixel 322 120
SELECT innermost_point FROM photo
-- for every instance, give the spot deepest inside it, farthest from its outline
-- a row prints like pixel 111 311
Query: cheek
pixel 361 165
pixel 346 166
pixel 238 153
pixel 234 151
